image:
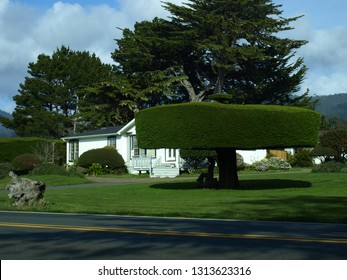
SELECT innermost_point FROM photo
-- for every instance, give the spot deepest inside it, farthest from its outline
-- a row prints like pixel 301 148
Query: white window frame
pixel 112 141
pixel 170 154
pixel 73 150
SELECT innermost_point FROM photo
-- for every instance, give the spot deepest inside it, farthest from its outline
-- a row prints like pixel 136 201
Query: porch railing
pixel 142 163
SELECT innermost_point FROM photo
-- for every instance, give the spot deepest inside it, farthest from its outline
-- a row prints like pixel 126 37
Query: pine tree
pixel 108 103
pixel 48 102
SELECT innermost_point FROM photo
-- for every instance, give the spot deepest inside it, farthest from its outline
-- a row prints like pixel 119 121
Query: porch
pixel 154 166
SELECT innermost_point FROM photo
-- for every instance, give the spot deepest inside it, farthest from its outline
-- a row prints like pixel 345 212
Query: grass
pixel 50 180
pixel 276 196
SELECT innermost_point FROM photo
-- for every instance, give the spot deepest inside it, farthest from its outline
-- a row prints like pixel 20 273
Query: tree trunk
pixel 227 165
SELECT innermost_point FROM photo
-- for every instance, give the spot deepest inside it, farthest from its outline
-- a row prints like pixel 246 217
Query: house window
pixel 138 152
pixel 151 153
pixel 134 147
pixel 111 141
pixel 73 150
pixel 170 154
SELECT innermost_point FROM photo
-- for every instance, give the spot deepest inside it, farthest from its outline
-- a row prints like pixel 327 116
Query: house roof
pixel 106 131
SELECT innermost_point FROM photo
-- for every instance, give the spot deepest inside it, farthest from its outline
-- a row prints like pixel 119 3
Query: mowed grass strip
pixel 306 197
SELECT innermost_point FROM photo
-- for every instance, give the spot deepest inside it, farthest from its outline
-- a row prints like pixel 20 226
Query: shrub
pixel 330 167
pixel 97 169
pixel 106 157
pixel 273 163
pixel 302 158
pixel 323 153
pixel 240 162
pixel 24 163
pixel 51 169
pixel 5 168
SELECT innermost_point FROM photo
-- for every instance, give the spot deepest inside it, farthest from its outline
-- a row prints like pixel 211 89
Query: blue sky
pixel 31 27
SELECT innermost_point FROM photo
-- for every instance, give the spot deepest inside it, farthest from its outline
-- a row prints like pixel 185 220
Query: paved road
pixel 58 236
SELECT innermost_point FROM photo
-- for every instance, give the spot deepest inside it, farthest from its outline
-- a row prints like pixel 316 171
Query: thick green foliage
pixel 301 158
pixel 224 48
pixel 331 167
pixel 203 125
pixel 323 153
pixel 24 163
pixel 5 168
pixel 104 156
pixel 335 139
pixel 12 147
pixel 52 169
pixel 50 93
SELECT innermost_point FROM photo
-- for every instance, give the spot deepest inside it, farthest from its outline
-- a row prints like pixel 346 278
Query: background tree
pixel 108 104
pixel 48 101
pixel 333 143
pixel 225 49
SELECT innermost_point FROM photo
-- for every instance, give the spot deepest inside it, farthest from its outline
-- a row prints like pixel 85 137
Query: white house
pixel 158 162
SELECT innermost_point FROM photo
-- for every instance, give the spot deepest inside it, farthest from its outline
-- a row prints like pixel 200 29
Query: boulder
pixel 25 191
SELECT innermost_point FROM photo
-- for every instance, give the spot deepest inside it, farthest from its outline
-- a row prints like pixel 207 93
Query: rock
pixel 25 190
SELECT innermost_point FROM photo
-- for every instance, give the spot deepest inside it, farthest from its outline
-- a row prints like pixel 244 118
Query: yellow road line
pixel 177 233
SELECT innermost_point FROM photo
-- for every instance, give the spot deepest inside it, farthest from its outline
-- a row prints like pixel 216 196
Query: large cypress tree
pixel 228 50
pixel 108 103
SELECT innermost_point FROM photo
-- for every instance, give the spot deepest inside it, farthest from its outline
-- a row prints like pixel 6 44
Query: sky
pixel 32 27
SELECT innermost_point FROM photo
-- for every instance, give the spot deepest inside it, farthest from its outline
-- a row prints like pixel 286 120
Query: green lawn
pixel 50 180
pixel 279 196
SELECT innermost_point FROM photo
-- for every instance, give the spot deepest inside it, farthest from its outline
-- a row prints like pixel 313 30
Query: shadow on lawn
pixel 296 208
pixel 244 185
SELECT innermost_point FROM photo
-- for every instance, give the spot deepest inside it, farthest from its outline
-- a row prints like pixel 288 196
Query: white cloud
pixel 27 32
pixel 327 48
pixel 326 84
pixel 325 55
pixel 79 28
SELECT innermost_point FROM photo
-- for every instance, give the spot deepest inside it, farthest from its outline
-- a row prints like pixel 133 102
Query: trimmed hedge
pixel 12 147
pixel 104 156
pixel 202 125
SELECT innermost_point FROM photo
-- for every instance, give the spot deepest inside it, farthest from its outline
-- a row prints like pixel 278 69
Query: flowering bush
pixel 96 169
pixel 273 163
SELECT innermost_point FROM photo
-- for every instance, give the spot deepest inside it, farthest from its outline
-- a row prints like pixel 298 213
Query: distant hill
pixel 333 106
pixel 4 132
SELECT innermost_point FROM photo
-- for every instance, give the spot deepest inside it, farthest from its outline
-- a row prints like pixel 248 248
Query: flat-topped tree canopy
pixel 202 125
pixel 225 128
